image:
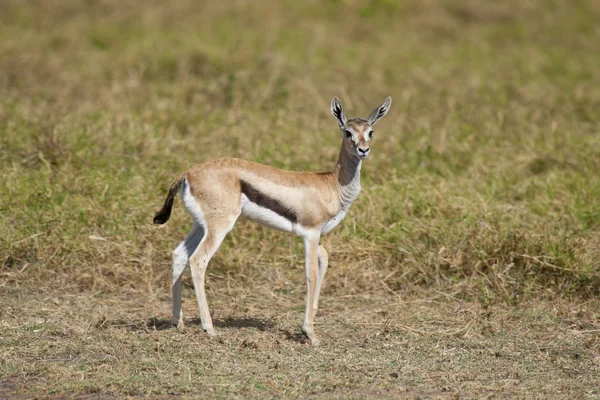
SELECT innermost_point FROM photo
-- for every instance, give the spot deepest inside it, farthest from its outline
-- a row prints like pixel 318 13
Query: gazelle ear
pixel 380 111
pixel 338 112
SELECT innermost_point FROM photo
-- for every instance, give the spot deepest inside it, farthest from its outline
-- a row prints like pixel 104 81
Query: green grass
pixel 482 185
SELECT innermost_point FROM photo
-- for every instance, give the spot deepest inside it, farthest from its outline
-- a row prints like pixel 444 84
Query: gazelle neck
pixel 347 171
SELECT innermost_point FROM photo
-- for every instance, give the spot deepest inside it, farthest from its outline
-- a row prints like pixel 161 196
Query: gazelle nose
pixel 363 151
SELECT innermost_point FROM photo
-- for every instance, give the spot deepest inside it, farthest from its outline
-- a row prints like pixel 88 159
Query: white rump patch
pixel 191 204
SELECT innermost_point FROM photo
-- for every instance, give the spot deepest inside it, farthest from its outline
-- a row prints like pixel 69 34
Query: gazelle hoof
pixel 310 335
pixel 179 325
pixel 210 332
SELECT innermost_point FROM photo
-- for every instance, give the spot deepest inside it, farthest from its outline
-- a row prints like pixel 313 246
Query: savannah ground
pixel 469 266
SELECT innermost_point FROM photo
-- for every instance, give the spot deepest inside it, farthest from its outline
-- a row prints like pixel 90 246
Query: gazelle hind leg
pixel 323 259
pixel 181 256
pixel 215 234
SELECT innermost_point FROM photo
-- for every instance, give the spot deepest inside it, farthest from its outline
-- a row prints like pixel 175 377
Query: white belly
pixel 265 216
pixel 333 222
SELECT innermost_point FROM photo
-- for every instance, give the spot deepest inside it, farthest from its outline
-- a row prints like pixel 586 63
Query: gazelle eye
pixel 348 134
pixel 370 134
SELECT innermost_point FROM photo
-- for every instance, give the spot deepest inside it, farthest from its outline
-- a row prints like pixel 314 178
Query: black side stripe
pixel 265 201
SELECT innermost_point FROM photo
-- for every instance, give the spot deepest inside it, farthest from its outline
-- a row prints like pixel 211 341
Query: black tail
pixel 164 213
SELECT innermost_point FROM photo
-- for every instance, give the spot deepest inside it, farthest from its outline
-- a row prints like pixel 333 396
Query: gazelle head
pixel 358 132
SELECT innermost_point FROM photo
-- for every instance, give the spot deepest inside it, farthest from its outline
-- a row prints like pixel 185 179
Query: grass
pixel 477 231
pixel 427 347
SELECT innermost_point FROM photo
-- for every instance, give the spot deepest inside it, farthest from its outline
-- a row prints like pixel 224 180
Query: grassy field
pixel 469 266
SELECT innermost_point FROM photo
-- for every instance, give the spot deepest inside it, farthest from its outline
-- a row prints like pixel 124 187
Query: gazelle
pixel 308 204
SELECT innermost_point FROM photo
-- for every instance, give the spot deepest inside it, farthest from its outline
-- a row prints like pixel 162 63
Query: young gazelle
pixel 307 204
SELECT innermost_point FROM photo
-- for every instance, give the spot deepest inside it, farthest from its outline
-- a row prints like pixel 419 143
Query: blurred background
pixel 483 184
pixel 484 175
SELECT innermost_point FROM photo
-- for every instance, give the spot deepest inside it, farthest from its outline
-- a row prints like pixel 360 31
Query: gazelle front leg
pixel 323 262
pixel 311 246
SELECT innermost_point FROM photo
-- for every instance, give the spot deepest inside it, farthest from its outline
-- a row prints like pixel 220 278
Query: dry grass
pixel 477 232
pixel 119 345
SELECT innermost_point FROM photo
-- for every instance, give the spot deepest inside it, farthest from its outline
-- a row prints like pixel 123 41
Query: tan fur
pixel 314 195
pixel 308 204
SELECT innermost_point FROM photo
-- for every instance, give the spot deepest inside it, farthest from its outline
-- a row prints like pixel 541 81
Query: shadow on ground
pixel 244 322
pixel 165 323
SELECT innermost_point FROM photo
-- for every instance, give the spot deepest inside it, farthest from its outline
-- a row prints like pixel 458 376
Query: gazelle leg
pixel 213 238
pixel 181 256
pixel 323 262
pixel 311 245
